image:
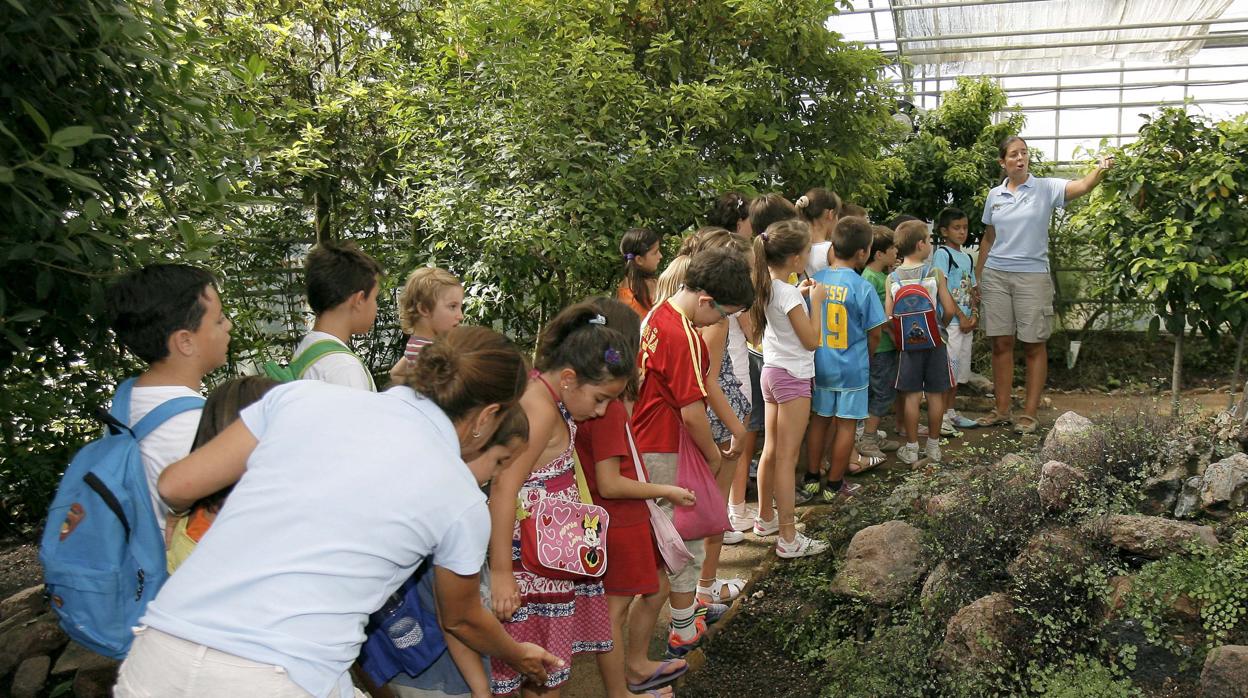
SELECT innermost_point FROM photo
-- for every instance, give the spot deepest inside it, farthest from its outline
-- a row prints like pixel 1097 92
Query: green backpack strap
pixel 300 364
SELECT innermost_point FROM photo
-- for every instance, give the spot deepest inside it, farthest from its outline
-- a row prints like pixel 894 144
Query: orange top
pixel 626 296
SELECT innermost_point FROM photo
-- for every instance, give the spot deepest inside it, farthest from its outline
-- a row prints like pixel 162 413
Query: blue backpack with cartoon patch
pixel 102 551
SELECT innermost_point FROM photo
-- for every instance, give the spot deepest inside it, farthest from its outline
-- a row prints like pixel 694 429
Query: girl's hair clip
pixel 765 237
pixel 598 320
pixel 802 202
pixel 613 357
pixel 628 256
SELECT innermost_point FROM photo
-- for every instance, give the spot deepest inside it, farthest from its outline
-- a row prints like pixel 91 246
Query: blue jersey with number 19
pixel 852 308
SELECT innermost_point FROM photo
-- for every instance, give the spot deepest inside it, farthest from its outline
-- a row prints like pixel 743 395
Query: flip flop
pixel 862 465
pixel 660 677
pixel 994 419
pixel 1026 424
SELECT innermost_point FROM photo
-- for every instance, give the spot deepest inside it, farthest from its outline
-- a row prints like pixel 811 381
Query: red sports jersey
pixel 603 438
pixel 673 365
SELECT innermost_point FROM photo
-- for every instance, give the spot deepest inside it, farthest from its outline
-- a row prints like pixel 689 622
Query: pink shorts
pixel 780 386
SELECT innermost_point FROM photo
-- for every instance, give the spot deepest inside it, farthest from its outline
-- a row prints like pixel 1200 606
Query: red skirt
pixel 632 561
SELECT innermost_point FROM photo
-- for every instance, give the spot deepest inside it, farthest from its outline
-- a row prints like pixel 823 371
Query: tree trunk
pixel 1176 374
pixel 1239 362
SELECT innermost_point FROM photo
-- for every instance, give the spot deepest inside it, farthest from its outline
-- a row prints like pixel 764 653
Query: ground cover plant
pixel 1082 616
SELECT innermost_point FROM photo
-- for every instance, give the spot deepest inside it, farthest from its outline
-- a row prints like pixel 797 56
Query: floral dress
pixel 564 617
pixel 731 385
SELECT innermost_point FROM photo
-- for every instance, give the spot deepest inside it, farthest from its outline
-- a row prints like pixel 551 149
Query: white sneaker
pixel 800 546
pixel 933 451
pixel 947 428
pixel 908 454
pixel 767 528
pixel 743 522
pixel 733 537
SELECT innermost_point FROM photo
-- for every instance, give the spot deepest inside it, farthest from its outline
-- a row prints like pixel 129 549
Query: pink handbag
pixel 709 517
pixel 560 539
pixel 671 546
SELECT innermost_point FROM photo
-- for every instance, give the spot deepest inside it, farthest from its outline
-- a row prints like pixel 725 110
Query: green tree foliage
pixel 99 116
pixel 1170 219
pixel 952 160
pixel 510 142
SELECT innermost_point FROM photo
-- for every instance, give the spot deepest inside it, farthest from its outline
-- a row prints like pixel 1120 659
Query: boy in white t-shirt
pixel 170 316
pixel 342 285
pixel 959 269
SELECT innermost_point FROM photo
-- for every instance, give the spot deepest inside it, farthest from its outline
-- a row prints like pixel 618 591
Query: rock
pixel 883 565
pixel 979 383
pixel 95 682
pixel 77 657
pixel 1161 491
pixel 944 503
pixel 975 633
pixel 1059 485
pixel 1073 438
pixel 31 675
pixel 1226 672
pixel 1224 485
pixel 1188 501
pixel 936 584
pixel 1049 549
pixel 41 636
pixel 26 603
pixel 1119 589
pixel 1152 536
pixel 1015 461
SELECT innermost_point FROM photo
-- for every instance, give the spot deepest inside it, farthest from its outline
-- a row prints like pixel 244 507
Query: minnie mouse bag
pixel 560 539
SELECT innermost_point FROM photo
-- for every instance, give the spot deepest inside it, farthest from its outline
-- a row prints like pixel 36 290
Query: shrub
pixel 1082 677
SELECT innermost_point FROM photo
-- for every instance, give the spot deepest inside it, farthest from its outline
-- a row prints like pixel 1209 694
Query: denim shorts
pixel 924 371
pixel 883 391
pixel 758 414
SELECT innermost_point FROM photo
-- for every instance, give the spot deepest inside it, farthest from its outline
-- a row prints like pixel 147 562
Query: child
pixel 770 208
pixel 432 302
pixel 849 332
pixel 220 410
pixel 640 249
pixel 820 208
pixel 170 317
pixel 342 285
pixel 921 371
pixel 582 365
pixel 635 568
pixel 881 394
pixel 460 670
pixel 674 363
pixel 790 334
pixel 731 211
pixel 959 269
pixel 848 209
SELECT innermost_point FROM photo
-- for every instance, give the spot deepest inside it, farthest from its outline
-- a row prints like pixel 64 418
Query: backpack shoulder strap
pixel 300 364
pixel 120 407
pixel 169 408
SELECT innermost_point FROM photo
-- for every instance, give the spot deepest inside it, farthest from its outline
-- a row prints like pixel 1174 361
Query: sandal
pixel 663 675
pixel 862 465
pixel 714 592
pixel 1026 424
pixel 994 419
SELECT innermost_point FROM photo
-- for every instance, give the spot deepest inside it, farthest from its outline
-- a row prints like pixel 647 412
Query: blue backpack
pixel 103 553
pixel 404 635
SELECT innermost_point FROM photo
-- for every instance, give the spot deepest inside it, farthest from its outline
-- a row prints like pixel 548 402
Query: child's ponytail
pixel 579 338
pixel 815 203
pixel 762 286
pixel 467 368
pixel 635 243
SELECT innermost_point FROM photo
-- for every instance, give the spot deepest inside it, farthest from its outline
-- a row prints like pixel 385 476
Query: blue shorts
pixel 757 411
pixel 843 404
pixel 883 376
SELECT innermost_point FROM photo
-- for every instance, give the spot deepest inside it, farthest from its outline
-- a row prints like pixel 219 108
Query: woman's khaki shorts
pixel 1017 303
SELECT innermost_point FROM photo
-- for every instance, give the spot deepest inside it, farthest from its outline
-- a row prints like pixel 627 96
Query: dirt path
pixel 746 559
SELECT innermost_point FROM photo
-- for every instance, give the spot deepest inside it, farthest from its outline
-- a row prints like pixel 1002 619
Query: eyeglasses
pixel 723 313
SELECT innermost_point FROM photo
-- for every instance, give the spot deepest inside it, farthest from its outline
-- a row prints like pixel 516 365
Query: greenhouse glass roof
pixel 1081 71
